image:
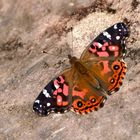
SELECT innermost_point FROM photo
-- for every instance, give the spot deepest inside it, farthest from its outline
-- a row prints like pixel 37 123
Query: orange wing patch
pixel 119 69
pixel 83 107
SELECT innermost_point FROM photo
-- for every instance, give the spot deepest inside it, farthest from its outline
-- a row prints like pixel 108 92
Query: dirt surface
pixel 26 29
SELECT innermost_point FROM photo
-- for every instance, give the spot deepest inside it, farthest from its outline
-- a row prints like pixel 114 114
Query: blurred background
pixel 26 29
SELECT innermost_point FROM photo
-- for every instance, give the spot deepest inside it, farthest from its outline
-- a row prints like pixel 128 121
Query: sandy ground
pixel 30 26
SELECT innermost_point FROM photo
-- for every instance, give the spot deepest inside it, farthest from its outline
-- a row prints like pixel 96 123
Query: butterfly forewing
pixel 56 95
pixel 110 44
pixel 104 57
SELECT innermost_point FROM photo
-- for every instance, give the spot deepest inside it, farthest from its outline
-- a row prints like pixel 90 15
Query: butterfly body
pixel 85 85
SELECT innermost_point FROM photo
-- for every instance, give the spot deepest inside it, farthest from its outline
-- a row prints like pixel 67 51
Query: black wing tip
pixel 38 109
pixel 125 27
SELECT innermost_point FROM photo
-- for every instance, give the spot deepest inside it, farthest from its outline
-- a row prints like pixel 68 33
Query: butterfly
pixel 84 86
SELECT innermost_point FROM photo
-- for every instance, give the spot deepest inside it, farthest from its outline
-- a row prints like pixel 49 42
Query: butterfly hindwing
pixel 109 73
pixel 87 94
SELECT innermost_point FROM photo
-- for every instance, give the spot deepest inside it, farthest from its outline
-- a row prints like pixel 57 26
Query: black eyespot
pixel 124 73
pixel 96 109
pixel 112 81
pixel 79 104
pixel 116 89
pixel 101 105
pixel 93 100
pixel 120 83
pixel 116 67
pixel 62 111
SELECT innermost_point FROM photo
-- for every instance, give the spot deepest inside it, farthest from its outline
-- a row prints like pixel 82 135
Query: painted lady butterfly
pixel 84 87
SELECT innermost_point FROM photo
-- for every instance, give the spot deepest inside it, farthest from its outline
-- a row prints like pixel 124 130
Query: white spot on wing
pixel 59 100
pixel 48 104
pixel 56 86
pixel 117 37
pixel 104 100
pixel 123 54
pixel 115 26
pixel 47 95
pixel 37 101
pixel 113 48
pixel 100 45
pixel 107 35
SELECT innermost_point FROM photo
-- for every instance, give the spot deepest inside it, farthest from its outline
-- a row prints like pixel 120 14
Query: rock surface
pixel 30 26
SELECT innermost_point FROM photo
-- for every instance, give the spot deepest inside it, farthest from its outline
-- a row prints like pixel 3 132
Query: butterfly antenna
pixel 72 39
pixel 45 52
pixel 71 54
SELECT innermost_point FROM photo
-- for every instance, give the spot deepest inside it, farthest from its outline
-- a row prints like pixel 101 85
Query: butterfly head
pixel 72 59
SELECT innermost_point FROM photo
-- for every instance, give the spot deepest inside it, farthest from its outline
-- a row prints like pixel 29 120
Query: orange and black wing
pixel 56 95
pixel 87 94
pixel 104 57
